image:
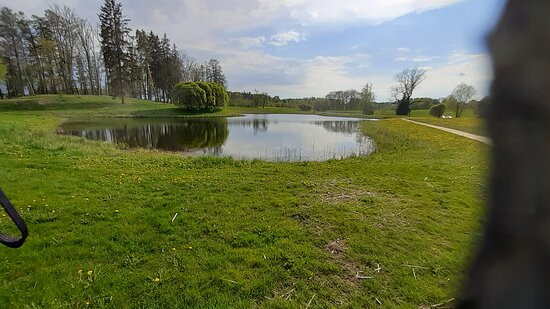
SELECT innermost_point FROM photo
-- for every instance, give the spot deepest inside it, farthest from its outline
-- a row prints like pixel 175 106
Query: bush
pixel 210 98
pixel 222 98
pixel 199 95
pixel 368 109
pixel 305 107
pixel 438 110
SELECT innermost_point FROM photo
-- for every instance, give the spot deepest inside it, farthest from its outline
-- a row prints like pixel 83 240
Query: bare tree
pixel 407 81
pixel 463 94
pixel 188 66
pixel 367 99
pixel 63 23
pixel 87 47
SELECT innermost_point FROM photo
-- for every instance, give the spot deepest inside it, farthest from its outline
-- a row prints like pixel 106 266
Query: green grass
pixel 470 125
pixel 247 234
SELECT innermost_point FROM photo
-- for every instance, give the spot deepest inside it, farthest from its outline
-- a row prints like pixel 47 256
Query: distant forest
pixel 60 52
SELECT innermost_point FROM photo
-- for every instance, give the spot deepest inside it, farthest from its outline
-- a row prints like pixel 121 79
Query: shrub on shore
pixel 199 95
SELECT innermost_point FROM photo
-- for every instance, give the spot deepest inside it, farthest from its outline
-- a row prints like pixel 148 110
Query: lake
pixel 271 137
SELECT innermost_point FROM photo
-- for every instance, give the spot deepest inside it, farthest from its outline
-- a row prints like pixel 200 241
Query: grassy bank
pixel 247 234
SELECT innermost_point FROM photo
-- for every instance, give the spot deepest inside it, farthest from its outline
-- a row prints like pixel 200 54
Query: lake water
pixel 269 137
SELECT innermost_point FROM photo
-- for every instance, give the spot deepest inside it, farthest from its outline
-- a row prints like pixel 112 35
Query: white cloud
pixel 320 75
pixel 249 42
pixel 417 58
pixel 374 11
pixel 472 69
pixel 283 38
pixel 227 29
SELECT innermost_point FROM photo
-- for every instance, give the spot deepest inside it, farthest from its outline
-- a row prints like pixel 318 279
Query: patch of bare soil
pixel 338 191
pixel 336 247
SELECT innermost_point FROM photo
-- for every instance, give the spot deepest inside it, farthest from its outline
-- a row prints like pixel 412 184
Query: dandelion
pixel 90 272
pixel 190 248
pixel 173 249
pixel 156 279
pixel 116 211
pixel 87 303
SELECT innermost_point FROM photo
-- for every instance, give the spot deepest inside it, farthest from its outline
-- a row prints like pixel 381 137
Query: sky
pixel 305 48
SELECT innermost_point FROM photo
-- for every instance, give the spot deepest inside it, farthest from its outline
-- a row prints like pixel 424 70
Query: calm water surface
pixel 270 137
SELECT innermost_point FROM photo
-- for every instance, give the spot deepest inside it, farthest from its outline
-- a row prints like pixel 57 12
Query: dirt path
pixel 482 139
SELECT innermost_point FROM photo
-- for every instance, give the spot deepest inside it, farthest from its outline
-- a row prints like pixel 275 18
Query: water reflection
pixel 165 134
pixel 268 137
pixel 340 126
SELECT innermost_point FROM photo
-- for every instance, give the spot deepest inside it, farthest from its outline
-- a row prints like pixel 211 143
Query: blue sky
pixel 302 48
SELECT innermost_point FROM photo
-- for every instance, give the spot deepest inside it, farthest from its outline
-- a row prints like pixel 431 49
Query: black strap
pixel 10 241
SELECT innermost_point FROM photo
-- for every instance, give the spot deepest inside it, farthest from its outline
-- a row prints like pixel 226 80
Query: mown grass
pixel 247 234
pixel 470 125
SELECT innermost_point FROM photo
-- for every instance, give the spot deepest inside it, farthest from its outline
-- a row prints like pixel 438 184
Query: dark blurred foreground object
pixel 512 268
pixel 10 241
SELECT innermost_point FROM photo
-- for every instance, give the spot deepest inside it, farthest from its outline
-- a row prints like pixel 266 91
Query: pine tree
pixel 215 72
pixel 115 45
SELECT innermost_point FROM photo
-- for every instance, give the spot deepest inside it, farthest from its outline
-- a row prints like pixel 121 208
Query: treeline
pixel 337 100
pixel 256 99
pixel 59 52
pixel 351 99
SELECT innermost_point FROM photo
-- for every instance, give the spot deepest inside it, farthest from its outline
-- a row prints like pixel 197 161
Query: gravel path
pixel 482 139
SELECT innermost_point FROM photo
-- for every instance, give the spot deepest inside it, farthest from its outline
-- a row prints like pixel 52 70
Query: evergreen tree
pixel 215 72
pixel 115 45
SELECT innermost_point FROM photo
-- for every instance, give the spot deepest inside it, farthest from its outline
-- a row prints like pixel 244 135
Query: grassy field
pixel 470 125
pixel 247 234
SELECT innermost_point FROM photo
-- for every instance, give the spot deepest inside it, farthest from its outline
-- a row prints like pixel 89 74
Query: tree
pixel 407 81
pixel 344 99
pixel 215 72
pixel 438 110
pixel 63 24
pixel 87 48
pixel 14 51
pixel 3 71
pixel 463 94
pixel 367 99
pixel 114 33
